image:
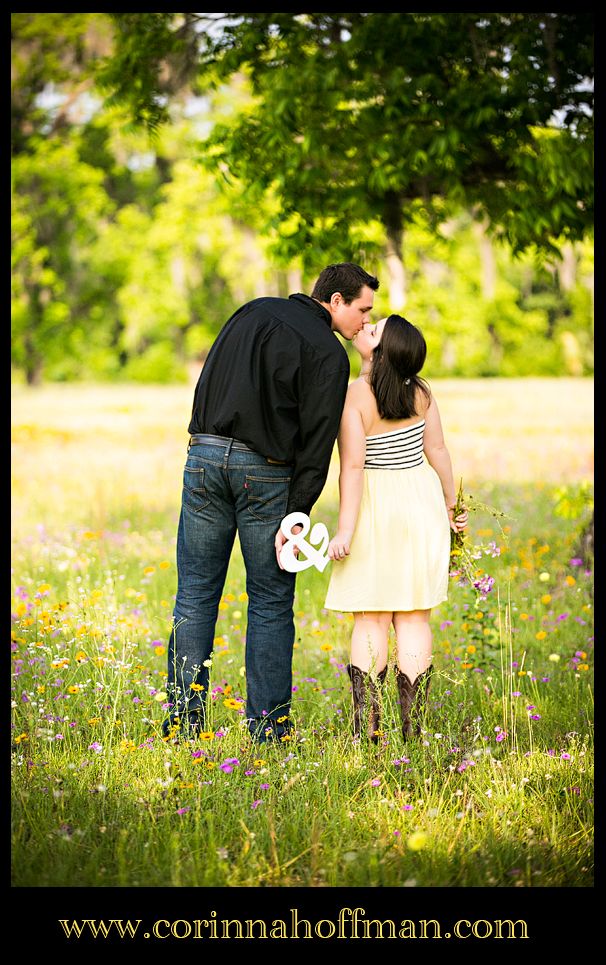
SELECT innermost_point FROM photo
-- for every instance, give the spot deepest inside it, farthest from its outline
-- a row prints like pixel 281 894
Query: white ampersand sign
pixel 315 557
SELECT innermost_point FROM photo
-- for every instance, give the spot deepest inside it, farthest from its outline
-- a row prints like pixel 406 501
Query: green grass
pixel 99 799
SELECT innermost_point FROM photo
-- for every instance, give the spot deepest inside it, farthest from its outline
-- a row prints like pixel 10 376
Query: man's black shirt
pixel 276 379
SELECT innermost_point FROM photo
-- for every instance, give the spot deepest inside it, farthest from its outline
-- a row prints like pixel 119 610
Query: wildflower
pixel 264 787
pixel 21 737
pixel 233 704
pixel 73 689
pixel 417 840
pixel 280 720
pixel 546 598
pixel 160 696
pixel 255 804
pixel 484 585
pixel 544 577
pixel 164 565
pixel 535 716
pixel 228 764
pixel 375 782
pixel 565 757
pixel 183 810
pixel 96 747
pixel 540 635
pixel 285 737
pixel 407 807
pixel 196 687
pixel 326 647
pixel 570 580
pixel 501 736
pixel 159 651
pixel 259 762
pixel 207 735
pixel 554 657
pixel 576 561
pixel 583 666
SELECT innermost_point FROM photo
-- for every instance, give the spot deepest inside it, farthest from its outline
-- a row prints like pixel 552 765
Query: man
pixel 265 417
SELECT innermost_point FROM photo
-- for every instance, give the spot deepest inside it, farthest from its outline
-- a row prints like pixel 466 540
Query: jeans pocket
pixel 195 496
pixel 267 496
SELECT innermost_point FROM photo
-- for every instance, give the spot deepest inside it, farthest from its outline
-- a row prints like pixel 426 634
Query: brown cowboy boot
pixel 366 718
pixel 412 698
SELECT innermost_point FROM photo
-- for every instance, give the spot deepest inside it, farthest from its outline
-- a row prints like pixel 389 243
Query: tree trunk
pixel 584 548
pixel 567 268
pixel 392 219
pixel 397 273
pixel 487 259
pixel 33 363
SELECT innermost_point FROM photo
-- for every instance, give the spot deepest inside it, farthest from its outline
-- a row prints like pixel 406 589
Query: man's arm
pixel 320 408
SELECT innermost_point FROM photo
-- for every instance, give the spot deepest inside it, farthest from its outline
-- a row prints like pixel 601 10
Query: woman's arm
pixel 438 457
pixel 352 455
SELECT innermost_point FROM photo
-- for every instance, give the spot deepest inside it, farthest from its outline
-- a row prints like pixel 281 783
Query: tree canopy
pixel 357 116
pixel 166 167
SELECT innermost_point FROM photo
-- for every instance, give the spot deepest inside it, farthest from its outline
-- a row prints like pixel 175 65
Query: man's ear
pixel 336 299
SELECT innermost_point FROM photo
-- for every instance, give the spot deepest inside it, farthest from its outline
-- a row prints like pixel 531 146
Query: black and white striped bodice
pixel 399 449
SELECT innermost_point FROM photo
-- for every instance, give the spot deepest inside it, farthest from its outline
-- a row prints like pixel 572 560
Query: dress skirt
pixel 400 552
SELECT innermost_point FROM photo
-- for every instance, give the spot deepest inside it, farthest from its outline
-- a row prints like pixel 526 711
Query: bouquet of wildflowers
pixel 464 555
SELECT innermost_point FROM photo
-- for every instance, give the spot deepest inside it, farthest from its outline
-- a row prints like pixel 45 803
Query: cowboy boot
pixel 366 718
pixel 412 698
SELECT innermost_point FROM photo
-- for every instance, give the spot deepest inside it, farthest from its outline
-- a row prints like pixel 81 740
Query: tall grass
pixel 496 792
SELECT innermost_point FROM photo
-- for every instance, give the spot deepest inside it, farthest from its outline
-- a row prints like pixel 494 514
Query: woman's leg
pixel 367 670
pixel 369 641
pixel 414 641
pixel 414 645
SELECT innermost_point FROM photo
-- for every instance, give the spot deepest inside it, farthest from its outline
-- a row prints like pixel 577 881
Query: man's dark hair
pixel 396 362
pixel 345 278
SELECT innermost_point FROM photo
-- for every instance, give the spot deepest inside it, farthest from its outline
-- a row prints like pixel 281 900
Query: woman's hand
pixel 458 523
pixel 338 548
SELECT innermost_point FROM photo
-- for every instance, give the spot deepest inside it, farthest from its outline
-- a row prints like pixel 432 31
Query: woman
pixel 392 544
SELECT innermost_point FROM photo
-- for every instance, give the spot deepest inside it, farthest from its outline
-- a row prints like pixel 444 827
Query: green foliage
pixel 362 115
pixel 122 245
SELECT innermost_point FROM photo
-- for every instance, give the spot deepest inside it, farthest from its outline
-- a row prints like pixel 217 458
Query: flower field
pixel 498 790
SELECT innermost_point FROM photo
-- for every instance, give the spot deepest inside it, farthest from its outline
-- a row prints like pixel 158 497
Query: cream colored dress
pixel 400 551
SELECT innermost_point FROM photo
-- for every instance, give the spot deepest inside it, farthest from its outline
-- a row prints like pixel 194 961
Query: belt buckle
pixel 276 462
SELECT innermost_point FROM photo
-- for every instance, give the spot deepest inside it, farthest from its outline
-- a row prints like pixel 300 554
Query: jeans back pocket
pixel 267 496
pixel 195 496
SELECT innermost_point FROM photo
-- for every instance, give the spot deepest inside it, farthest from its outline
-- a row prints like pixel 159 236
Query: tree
pixel 358 116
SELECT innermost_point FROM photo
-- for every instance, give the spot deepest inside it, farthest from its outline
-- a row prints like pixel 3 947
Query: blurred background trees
pixel 168 167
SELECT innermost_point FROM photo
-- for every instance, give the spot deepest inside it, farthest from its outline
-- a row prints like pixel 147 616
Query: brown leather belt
pixel 206 439
pixel 203 439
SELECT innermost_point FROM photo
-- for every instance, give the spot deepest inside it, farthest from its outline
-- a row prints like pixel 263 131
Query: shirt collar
pixel 314 306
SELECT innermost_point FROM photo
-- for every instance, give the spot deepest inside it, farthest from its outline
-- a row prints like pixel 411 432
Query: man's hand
pixel 281 539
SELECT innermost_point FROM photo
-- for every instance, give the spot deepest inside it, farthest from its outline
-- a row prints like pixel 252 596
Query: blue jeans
pixel 227 490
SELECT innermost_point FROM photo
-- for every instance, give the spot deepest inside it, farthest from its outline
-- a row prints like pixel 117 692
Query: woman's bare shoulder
pixel 358 391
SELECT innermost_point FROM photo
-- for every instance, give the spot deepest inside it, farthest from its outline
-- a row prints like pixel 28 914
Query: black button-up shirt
pixel 276 378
